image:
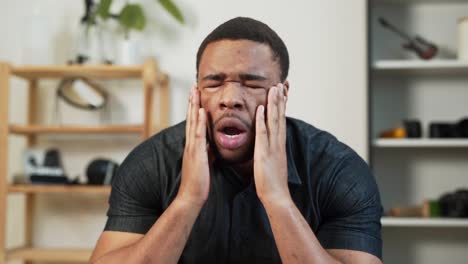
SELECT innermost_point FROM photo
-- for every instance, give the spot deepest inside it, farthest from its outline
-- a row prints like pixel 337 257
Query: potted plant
pixel 132 17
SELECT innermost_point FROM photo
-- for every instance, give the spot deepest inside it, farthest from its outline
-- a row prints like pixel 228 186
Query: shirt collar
pixel 293 175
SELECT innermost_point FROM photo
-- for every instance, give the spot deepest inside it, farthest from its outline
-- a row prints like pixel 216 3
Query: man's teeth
pixel 231 136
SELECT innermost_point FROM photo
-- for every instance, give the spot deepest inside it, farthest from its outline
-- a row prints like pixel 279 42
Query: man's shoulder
pixel 313 140
pixel 166 143
pixel 171 136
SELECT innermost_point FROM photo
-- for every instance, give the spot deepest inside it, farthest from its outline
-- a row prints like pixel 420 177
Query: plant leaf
pixel 132 17
pixel 103 9
pixel 172 9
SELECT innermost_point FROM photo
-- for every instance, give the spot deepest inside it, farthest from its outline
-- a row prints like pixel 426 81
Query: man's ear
pixel 286 86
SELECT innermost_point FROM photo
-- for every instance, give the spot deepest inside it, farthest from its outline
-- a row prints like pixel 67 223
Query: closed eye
pixel 212 85
pixel 253 85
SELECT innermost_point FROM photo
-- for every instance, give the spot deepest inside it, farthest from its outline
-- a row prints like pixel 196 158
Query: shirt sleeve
pixel 135 202
pixel 351 209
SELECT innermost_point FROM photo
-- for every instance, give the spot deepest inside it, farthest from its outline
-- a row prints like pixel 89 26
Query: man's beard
pixel 241 158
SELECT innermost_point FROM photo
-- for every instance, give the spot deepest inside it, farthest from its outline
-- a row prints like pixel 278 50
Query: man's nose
pixel 231 96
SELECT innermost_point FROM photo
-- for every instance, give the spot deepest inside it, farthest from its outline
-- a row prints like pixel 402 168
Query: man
pixel 238 182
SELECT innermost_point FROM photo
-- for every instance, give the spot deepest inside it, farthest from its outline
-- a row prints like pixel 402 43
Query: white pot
pixel 129 52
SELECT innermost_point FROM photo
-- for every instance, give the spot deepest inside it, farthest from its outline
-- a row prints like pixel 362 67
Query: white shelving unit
pixel 423 222
pixel 410 67
pixel 420 143
pixel 402 87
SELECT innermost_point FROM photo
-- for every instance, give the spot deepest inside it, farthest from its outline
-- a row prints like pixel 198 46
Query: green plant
pixel 132 17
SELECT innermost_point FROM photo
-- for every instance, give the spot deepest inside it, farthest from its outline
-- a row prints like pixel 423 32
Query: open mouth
pixel 231 133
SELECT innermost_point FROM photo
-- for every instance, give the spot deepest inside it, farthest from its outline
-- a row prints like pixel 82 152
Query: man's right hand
pixel 195 182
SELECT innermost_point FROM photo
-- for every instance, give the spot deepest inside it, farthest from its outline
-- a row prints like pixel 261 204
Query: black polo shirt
pixel 330 184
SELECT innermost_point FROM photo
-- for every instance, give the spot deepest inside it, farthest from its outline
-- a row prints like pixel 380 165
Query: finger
pixel 272 113
pixel 282 114
pixel 194 117
pixel 188 119
pixel 201 130
pixel 261 134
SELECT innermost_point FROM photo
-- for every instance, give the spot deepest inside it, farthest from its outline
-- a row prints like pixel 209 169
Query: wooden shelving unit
pixel 49 255
pixel 154 83
pixel 90 71
pixel 28 188
pixel 114 129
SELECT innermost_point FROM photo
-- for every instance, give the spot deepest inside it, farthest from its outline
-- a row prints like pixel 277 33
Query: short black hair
pixel 249 29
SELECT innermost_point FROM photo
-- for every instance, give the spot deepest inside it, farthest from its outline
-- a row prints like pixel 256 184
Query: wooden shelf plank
pixel 50 255
pixel 423 222
pixel 50 188
pixel 421 143
pixel 90 71
pixel 109 129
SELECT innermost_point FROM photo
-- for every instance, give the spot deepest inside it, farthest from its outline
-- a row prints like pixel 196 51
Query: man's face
pixel 234 77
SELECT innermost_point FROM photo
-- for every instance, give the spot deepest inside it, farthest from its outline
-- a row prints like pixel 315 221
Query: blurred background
pixel 402 109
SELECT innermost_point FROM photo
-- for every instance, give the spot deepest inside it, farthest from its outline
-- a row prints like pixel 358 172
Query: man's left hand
pixel 270 162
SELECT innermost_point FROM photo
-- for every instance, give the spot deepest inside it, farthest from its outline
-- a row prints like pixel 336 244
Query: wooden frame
pixel 153 81
pixel 4 96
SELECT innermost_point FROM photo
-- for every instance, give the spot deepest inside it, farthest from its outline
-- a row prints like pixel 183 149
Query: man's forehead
pixel 240 48
pixel 236 43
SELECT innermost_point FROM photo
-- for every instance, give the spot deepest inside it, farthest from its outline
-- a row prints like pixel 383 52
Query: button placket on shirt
pixel 239 233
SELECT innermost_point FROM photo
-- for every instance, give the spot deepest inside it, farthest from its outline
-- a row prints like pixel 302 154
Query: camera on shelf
pixel 449 130
pixel 44 166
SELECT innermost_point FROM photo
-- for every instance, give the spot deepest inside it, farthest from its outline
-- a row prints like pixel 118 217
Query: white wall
pixel 327 44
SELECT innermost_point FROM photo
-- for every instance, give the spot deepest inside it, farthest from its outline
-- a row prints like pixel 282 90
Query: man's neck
pixel 244 169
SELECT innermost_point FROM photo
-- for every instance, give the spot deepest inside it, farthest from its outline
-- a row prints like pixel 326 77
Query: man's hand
pixel 195 183
pixel 270 162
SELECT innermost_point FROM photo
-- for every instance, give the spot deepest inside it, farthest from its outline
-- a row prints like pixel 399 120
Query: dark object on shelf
pixel 413 128
pixel 101 171
pixel 420 46
pixel 45 179
pixel 442 130
pixel 454 204
pixel 463 128
pixel 44 167
pixel 82 93
pixel 449 130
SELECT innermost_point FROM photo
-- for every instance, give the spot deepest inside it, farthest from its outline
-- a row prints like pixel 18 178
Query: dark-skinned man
pixel 238 181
